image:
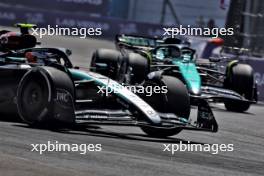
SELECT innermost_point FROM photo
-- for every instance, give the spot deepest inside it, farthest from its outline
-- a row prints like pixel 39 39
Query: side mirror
pixel 68 52
pixel 158 54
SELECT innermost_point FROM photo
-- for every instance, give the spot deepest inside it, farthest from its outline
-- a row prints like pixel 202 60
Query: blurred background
pixel 144 17
pixel 147 17
pixel 131 16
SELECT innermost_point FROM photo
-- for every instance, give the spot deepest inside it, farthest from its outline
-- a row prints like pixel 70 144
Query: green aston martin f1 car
pixel 139 59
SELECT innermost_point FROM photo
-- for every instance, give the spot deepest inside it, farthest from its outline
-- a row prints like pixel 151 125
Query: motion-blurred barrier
pixel 95 7
pixel 110 26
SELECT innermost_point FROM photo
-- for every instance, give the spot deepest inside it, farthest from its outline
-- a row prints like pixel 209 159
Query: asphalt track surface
pixel 127 150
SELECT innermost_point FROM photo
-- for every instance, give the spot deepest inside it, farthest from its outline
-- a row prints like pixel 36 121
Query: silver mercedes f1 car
pixel 42 86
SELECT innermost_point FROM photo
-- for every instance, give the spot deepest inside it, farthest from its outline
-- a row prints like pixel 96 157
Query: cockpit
pixel 172 52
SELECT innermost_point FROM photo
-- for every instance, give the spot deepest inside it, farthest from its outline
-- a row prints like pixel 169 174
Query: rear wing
pixel 138 42
pixel 133 41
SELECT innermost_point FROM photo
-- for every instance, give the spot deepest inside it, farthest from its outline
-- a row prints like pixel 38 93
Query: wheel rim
pixel 33 99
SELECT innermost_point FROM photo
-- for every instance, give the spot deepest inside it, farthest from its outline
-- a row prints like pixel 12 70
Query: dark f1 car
pixel 43 87
pixel 139 59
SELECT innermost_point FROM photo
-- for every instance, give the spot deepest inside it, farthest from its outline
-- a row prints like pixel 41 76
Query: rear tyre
pixel 37 96
pixel 34 98
pixel 241 80
pixel 176 101
pixel 139 66
pixel 106 62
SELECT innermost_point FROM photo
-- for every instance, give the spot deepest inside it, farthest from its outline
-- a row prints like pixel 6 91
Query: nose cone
pixel 191 77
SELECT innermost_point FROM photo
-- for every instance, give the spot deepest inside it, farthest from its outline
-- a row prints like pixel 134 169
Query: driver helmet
pixel 34 57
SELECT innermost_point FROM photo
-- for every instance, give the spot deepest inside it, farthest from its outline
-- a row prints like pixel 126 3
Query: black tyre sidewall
pixel 176 101
pixel 140 67
pixel 240 80
pixel 35 77
pixel 111 58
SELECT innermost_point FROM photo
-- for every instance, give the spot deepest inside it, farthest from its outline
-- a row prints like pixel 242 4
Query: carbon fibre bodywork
pixel 82 102
pixel 202 77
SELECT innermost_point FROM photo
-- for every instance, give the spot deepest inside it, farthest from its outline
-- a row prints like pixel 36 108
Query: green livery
pixel 190 74
pixel 223 78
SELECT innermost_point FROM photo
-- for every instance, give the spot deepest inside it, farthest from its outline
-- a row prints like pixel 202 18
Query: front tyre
pixel 176 101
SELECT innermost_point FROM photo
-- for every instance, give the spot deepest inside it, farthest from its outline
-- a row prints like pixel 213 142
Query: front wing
pixel 220 94
pixel 205 119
